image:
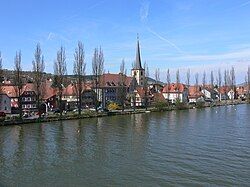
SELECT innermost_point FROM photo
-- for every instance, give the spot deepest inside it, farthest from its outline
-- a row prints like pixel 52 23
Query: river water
pixel 199 147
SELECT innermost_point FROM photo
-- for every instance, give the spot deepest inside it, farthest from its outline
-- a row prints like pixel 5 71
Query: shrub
pixel 200 104
pixel 180 105
pixel 160 105
pixel 113 106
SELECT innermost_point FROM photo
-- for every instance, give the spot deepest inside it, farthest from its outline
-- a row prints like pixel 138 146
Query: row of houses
pixel 133 90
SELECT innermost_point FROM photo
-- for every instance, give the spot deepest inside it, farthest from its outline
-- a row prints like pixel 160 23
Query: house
pixel 11 91
pixel 5 103
pixel 114 88
pixel 138 99
pixel 241 92
pixel 29 98
pixel 50 95
pixel 195 94
pixel 69 97
pixel 173 92
pixel 88 98
pixel 155 88
pixel 226 93
pixel 88 95
pixel 158 97
pixel 210 93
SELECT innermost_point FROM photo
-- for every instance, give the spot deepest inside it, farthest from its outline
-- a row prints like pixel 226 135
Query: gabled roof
pixel 241 90
pixel 49 90
pixel 114 80
pixel 9 90
pixel 224 89
pixel 194 92
pixel 174 88
pixel 158 97
pixel 71 89
pixel 140 91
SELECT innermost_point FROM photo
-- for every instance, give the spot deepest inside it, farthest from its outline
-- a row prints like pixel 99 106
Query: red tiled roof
pixel 9 90
pixel 158 97
pixel 174 88
pixel 140 91
pixel 49 91
pixel 193 92
pixel 241 90
pixel 224 89
pixel 113 80
pixel 69 90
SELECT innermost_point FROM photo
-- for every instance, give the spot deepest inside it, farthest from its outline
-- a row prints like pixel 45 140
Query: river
pixel 200 147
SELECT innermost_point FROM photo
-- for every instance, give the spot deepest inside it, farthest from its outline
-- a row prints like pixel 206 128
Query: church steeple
pixel 138 55
pixel 138 72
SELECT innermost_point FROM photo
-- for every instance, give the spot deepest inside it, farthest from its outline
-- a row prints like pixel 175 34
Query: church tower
pixel 138 72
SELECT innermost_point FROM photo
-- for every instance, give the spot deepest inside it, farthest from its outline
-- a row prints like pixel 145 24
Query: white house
pixel 174 91
pixel 5 103
pixel 210 93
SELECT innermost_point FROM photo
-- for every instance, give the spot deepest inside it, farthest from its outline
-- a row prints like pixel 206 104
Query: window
pixel 141 73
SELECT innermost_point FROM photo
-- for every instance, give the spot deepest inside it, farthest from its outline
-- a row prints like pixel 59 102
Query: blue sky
pixel 176 34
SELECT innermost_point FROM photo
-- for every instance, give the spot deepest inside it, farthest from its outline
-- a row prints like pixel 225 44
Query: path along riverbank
pixel 93 114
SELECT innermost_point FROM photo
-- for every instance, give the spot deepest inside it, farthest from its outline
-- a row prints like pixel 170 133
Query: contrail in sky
pixel 165 40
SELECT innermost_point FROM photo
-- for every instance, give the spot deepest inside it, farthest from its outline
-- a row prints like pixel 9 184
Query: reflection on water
pixel 197 147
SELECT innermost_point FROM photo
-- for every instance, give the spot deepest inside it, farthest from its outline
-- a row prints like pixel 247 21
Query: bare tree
pixel 196 81
pixel 79 72
pixel 188 78
pixel 18 84
pixel 204 80
pixel 219 82
pixel 157 75
pixel 97 69
pixel 1 74
pixel 122 92
pixel 146 69
pixel 168 82
pixel 225 78
pixel 60 71
pixel 232 76
pixel 212 79
pixel 145 85
pixel 178 82
pixel 248 82
pixel 122 66
pixel 1 71
pixel 38 75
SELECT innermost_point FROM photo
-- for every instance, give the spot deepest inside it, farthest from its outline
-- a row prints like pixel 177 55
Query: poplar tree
pixel 18 84
pixel 60 71
pixel 38 75
pixel 79 72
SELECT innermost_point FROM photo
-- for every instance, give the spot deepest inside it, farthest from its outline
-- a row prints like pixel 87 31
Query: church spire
pixel 138 55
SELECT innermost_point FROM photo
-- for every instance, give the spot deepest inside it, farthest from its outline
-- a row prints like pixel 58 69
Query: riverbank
pixel 92 114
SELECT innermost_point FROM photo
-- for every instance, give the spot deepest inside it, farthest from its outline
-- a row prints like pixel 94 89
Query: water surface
pixel 197 147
